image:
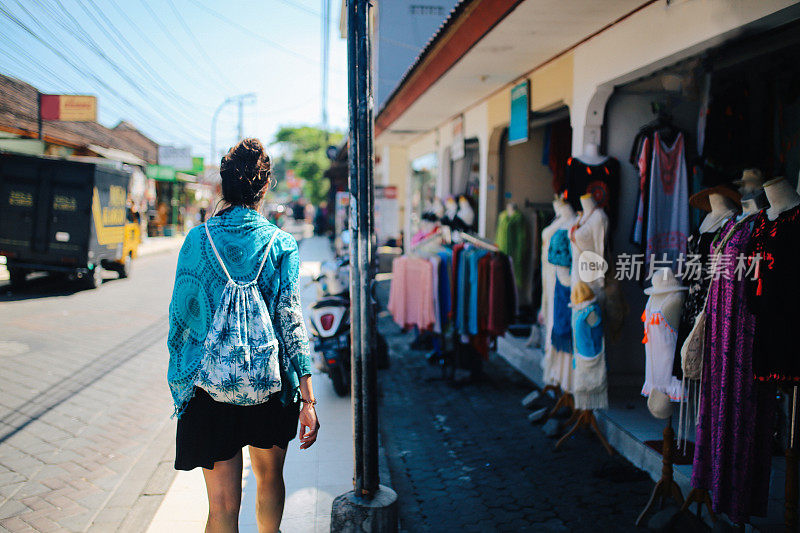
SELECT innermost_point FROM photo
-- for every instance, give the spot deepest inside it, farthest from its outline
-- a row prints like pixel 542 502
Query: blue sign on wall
pixel 518 127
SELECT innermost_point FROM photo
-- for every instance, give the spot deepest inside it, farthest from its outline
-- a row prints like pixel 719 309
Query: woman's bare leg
pixel 224 486
pixel 267 466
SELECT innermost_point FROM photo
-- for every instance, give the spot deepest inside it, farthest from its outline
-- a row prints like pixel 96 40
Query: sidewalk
pixel 314 477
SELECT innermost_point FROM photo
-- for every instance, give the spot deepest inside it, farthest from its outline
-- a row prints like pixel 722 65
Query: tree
pixel 303 150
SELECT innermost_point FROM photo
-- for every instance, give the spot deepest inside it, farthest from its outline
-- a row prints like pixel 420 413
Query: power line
pixel 143 36
pixel 197 43
pixel 301 7
pixel 87 71
pixel 252 33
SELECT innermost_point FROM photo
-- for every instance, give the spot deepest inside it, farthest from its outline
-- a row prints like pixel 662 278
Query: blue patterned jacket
pixel 241 236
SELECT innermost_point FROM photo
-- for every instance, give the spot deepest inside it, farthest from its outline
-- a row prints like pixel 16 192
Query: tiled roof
pixel 19 111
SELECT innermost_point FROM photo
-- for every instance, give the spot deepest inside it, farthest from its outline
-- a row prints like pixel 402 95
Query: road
pixel 85 434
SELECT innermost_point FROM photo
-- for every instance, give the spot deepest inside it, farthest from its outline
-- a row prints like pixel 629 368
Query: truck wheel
pixel 94 278
pixel 16 276
pixel 125 267
pixel 340 382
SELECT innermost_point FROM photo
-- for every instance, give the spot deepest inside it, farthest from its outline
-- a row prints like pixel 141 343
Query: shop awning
pixel 117 155
pixel 485 46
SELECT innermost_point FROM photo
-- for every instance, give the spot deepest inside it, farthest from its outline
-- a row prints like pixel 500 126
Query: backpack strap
pixel 213 247
pixel 266 254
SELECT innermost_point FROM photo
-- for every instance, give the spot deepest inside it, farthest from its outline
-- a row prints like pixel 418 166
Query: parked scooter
pixel 330 325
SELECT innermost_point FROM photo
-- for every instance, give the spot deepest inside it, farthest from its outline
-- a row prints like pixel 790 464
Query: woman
pixel 211 434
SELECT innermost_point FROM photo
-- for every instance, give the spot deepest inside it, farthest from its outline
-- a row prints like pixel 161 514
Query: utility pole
pixel 326 29
pixel 241 99
pixel 370 506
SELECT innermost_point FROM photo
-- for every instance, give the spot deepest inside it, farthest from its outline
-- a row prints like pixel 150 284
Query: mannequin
pixel 591 155
pixel 438 208
pixel 465 212
pixel 722 208
pixel 450 208
pixel 781 197
pixel 588 204
pixel 661 319
pixel 751 182
pixel 511 208
pixel 589 234
pixel 754 204
pixel 557 364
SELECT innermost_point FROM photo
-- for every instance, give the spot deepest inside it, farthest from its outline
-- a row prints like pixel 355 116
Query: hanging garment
pixel 500 307
pixel 477 287
pixel 733 440
pixel 558 153
pixel 590 381
pixel 411 293
pixel 561 336
pixel 437 317
pixel 659 351
pixel 513 239
pixel 642 165
pixel 445 284
pixel 774 294
pixel 601 181
pixel 668 203
pixel 462 291
pixel 697 280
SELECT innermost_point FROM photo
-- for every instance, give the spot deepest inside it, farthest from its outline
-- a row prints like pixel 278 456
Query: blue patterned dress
pixel 241 236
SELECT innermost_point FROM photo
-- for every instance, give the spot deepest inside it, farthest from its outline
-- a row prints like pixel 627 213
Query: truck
pixel 64 216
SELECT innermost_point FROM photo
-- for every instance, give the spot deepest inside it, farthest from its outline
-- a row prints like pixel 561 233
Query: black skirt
pixel 210 431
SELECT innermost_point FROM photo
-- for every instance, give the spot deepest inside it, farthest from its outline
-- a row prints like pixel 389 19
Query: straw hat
pixel 664 281
pixel 581 292
pixel 699 200
pixel 751 177
pixel 659 404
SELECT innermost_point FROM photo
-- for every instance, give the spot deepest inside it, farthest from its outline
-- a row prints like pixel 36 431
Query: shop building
pixel 591 75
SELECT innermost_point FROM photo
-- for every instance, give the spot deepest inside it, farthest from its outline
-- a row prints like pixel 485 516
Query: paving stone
pixel 498 472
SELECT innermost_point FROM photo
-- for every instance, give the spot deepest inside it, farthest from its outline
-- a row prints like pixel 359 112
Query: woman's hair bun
pixel 245 172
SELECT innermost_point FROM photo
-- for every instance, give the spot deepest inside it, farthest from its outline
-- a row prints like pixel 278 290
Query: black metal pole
pixel 365 417
pixel 355 293
pixel 369 374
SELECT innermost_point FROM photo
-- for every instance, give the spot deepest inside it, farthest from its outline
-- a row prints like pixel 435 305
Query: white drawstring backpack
pixel 240 353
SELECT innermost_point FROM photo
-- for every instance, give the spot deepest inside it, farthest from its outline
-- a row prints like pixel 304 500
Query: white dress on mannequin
pixel 589 234
pixel 556 365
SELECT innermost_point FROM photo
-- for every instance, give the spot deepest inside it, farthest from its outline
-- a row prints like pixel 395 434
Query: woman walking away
pixel 239 366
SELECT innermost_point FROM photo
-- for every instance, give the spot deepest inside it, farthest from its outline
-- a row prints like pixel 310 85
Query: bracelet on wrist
pixel 309 402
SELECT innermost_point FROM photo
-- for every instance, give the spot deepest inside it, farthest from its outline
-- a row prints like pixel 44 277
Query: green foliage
pixel 302 149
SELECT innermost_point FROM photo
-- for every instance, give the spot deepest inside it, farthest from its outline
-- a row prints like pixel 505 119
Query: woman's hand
pixel 308 420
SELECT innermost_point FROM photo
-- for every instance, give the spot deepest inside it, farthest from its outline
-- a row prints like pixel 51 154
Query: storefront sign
pixel 68 107
pixel 518 127
pixel 457 149
pixel 387 214
pixel 161 172
pixel 178 157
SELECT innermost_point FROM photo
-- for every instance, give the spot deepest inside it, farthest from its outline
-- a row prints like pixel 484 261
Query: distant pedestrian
pixel 240 365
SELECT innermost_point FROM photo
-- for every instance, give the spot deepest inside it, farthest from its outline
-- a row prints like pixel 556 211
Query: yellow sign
pixel 64 203
pixel 112 215
pixel 77 108
pixel 20 198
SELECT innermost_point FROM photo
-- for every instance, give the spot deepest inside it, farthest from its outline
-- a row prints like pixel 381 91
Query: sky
pixel 166 65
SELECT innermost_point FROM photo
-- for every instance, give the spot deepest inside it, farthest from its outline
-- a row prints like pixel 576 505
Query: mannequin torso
pixel 721 210
pixel 781 197
pixel 591 155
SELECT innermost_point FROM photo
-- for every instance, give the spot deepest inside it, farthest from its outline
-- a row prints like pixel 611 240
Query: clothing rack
pixel 477 241
pixel 428 240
